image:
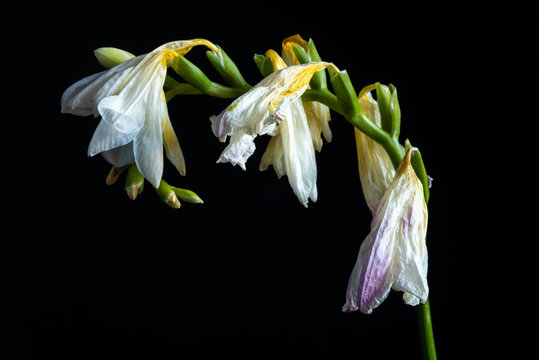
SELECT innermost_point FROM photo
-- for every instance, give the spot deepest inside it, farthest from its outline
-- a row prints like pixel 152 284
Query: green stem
pixel 425 331
pixel 323 96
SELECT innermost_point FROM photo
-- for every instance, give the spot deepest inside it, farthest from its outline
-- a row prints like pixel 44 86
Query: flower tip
pixel 133 191
pixel 173 201
pixel 348 308
pixel 114 174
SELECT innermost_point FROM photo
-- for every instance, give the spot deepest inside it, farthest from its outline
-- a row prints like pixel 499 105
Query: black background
pixel 90 273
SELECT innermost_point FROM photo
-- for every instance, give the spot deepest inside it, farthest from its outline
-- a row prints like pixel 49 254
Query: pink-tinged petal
pixel 371 278
pixel 219 125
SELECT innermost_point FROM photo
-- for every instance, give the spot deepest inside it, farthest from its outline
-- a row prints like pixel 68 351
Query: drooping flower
pixel 274 107
pixel 129 97
pixel 376 171
pixel 318 114
pixel 394 254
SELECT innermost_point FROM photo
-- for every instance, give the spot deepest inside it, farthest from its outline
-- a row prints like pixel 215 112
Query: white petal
pixel 298 152
pixel 116 128
pixel 148 145
pixel 120 156
pixel 78 98
pixel 240 148
pixel 376 170
pixel 81 98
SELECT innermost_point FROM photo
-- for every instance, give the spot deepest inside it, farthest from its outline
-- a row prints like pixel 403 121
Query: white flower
pixel 274 107
pixel 134 122
pixel 394 254
pixel 318 114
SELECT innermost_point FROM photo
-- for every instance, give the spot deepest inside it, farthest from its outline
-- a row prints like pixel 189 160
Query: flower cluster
pixel 292 105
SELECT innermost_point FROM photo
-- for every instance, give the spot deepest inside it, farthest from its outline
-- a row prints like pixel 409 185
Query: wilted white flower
pixel 394 254
pixel 274 107
pixel 318 114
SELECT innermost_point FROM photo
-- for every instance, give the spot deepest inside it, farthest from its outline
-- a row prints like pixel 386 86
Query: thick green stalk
pixel 425 331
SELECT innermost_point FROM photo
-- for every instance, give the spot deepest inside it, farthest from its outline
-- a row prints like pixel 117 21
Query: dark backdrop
pixel 251 272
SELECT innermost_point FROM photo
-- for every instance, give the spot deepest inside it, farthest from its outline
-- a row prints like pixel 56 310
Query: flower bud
pixel 114 174
pixel 227 68
pixel 134 182
pixel 390 112
pixel 264 64
pixel 187 195
pixel 110 57
pixel 167 195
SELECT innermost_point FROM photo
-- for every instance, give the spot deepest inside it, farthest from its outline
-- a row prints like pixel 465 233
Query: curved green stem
pixel 323 96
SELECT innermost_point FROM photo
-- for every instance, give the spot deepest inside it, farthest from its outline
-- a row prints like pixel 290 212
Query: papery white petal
pixel 240 148
pixel 318 116
pixel 411 258
pixel 298 152
pixel 376 170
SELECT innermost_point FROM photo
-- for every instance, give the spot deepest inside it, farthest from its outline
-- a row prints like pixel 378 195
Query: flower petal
pixel 240 148
pixel 81 98
pixel 116 128
pixel 298 151
pixel 376 170
pixel 411 258
pixel 120 156
pixel 318 116
pixel 371 277
pixel 172 145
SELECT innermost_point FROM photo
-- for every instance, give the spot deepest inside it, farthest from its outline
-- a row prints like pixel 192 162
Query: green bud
pixel 318 81
pixel 420 171
pixel 187 195
pixel 301 54
pixel 227 68
pixel 388 104
pixel 167 195
pixel 346 95
pixel 264 64
pixel 110 57
pixel 134 182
